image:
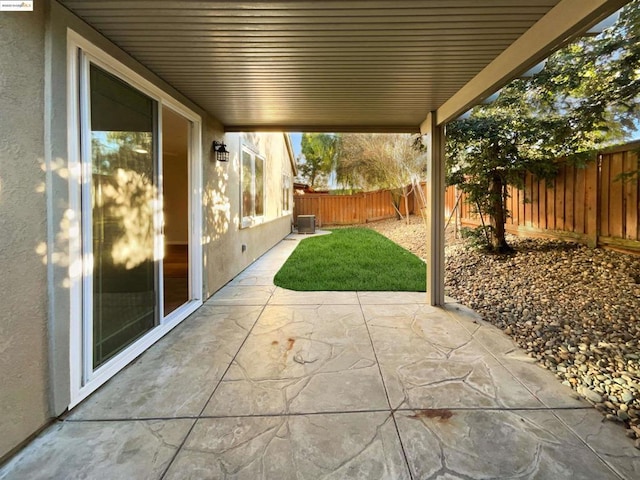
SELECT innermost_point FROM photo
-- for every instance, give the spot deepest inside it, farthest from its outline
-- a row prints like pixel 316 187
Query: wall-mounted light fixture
pixel 222 154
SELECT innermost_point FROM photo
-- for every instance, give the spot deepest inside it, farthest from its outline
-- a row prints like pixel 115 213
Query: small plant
pixel 477 237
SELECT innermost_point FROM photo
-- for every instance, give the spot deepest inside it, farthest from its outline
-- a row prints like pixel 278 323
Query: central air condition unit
pixel 306 224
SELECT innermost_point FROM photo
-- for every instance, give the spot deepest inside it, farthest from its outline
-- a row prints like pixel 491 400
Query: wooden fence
pixel 348 209
pixel 591 205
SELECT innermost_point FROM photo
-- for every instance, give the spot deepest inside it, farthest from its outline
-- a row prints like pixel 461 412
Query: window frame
pixel 251 219
pixel 287 193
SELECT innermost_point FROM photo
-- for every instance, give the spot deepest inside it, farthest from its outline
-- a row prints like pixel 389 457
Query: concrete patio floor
pixel 265 383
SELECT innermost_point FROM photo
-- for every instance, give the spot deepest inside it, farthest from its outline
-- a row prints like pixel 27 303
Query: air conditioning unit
pixel 306 224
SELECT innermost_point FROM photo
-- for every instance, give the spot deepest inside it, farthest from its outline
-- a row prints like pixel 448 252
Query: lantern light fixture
pixel 222 154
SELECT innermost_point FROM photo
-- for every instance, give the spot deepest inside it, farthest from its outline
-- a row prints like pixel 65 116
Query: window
pixel 286 193
pixel 252 188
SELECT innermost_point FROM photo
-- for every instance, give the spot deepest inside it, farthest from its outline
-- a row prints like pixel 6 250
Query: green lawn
pixel 352 259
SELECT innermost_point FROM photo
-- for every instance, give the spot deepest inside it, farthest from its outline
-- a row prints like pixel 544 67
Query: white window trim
pixel 287 176
pixel 248 221
pixel 80 388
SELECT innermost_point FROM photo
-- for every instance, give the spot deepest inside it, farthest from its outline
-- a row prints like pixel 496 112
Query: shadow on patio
pixel 263 382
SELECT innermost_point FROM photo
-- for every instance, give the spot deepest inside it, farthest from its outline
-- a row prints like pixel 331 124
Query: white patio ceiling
pixel 339 65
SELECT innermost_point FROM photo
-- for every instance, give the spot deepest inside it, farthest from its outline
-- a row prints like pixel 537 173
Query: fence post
pixel 592 193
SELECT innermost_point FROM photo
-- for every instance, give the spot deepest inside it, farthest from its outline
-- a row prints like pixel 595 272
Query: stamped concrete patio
pixel 263 383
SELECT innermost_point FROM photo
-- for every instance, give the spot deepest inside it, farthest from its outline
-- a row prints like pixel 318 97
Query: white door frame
pixel 80 53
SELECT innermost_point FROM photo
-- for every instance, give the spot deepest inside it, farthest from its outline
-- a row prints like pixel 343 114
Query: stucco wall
pixel 23 274
pixel 35 213
pixel 225 256
pixel 57 153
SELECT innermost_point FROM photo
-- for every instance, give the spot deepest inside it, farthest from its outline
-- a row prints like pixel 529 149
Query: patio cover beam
pixel 551 32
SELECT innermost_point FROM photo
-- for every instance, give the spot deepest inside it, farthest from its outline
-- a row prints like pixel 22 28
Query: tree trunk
pixel 405 194
pixel 498 215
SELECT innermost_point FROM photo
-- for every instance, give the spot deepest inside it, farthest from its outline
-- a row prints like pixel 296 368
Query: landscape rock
pixel 590 394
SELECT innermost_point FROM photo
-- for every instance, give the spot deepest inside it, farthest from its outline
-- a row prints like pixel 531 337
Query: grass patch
pixel 352 259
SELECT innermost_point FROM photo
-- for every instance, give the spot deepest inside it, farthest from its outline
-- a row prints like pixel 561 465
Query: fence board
pixel 521 207
pixel 632 207
pixel 559 188
pixel 526 199
pixel 616 211
pixel 569 203
pixel 535 203
pixel 592 193
pixel 580 201
pixel 449 201
pixel 604 196
pixel 512 205
pixel 546 199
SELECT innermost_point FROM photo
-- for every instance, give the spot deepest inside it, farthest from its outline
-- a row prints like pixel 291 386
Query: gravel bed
pixel 575 309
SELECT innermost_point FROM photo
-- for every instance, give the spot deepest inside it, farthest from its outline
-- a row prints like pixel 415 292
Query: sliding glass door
pixel 135 201
pixel 123 194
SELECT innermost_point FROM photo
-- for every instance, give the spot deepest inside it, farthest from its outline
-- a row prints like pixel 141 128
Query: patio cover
pixel 338 66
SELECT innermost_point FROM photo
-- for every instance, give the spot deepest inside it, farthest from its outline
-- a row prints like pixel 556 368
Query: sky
pixel 296 138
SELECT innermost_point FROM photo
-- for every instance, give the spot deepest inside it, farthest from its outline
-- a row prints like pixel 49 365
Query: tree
pixel 493 149
pixel 375 161
pixel 318 157
pixel 596 80
pixel 369 160
pixel 586 97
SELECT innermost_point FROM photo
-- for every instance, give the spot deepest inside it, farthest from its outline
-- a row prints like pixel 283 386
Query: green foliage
pixel 352 259
pixel 629 176
pixel 493 149
pixel 584 99
pixel 477 237
pixel 318 158
pixel 595 81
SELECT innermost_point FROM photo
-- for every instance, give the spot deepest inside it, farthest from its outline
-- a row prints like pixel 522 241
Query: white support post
pixel 435 139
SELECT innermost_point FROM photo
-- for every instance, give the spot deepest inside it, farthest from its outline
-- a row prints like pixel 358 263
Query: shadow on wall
pixel 125 207
pixel 216 202
pixel 68 232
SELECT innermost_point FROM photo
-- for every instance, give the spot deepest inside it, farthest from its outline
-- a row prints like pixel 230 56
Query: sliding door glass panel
pixel 175 196
pixel 123 198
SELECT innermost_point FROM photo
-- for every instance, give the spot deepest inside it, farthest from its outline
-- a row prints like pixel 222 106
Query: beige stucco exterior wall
pixel 228 247
pixel 34 212
pixel 23 229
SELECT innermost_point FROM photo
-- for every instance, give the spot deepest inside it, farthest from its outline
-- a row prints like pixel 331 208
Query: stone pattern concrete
pixel 264 383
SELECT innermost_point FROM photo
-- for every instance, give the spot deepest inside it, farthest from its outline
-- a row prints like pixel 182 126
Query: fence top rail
pixel 352 195
pixel 326 195
pixel 627 147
